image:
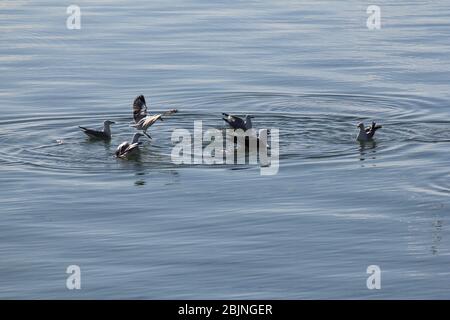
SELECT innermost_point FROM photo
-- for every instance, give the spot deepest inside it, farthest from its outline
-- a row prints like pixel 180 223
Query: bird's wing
pixel 228 121
pixel 131 148
pixel 95 134
pixel 373 129
pixel 369 128
pixel 139 108
pixel 121 148
pixel 149 121
pixel 139 123
pixel 235 122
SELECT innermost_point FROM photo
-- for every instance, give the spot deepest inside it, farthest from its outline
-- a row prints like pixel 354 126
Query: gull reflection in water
pixel 367 150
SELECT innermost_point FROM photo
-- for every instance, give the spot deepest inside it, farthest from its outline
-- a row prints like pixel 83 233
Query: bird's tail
pixel 227 121
pixel 226 116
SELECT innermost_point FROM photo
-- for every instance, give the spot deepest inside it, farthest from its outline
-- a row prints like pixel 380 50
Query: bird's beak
pixel 112 122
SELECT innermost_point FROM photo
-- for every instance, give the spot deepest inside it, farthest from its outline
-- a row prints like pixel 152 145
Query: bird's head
pixel 108 122
pixel 361 126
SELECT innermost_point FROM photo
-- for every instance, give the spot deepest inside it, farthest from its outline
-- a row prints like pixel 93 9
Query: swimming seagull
pixel 126 149
pixel 105 134
pixel 142 120
pixel 237 123
pixel 366 134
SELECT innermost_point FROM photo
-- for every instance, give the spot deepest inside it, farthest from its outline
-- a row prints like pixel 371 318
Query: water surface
pixel 150 229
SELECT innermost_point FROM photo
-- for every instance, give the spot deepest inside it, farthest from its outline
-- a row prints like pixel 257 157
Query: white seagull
pixel 366 134
pixel 142 120
pixel 126 149
pixel 104 134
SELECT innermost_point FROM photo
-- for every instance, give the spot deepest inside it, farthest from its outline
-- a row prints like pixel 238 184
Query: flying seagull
pixel 105 134
pixel 238 123
pixel 142 120
pixel 366 134
pixel 146 123
pixel 126 149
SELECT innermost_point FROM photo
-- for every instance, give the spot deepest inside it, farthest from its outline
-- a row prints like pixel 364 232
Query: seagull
pixel 126 149
pixel 237 123
pixel 142 120
pixel 105 134
pixel 366 134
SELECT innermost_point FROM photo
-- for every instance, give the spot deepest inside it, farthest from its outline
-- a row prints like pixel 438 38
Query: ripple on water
pixel 312 127
pixel 439 184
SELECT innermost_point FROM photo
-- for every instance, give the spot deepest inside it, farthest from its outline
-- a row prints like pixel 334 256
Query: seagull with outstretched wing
pixel 142 120
pixel 366 134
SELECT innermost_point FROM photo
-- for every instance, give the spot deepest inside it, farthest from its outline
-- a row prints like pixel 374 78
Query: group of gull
pixel 143 121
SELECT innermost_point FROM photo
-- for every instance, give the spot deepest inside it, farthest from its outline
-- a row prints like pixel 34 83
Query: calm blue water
pixel 150 229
